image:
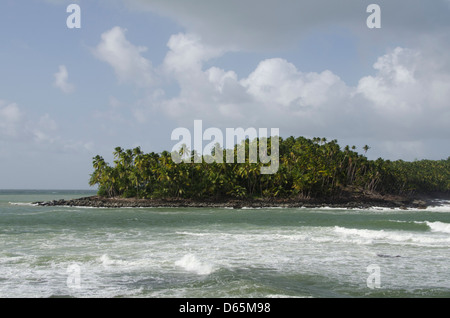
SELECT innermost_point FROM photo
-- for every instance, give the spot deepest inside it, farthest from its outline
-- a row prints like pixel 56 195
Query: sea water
pixel 219 253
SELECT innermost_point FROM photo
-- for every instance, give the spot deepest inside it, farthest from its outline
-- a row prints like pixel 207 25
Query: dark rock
pixel 388 256
pixel 346 201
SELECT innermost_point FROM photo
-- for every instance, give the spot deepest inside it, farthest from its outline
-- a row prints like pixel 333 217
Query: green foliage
pixel 308 168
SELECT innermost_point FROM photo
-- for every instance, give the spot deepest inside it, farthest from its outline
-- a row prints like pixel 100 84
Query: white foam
pixel 106 260
pixel 23 204
pixel 120 264
pixel 192 233
pixel 439 227
pixel 393 237
pixel 286 296
pixel 444 208
pixel 190 263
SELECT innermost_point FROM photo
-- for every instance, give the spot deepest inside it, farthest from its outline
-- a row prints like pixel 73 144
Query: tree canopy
pixel 308 168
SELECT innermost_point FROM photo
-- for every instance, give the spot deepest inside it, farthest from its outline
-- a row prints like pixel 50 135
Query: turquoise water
pixel 187 252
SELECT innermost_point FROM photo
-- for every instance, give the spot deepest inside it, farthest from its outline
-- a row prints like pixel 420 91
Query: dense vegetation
pixel 307 168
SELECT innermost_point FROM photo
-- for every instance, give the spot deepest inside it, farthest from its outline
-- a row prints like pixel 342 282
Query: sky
pixel 136 70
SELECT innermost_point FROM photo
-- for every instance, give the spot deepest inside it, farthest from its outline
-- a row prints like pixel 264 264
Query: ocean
pixel 218 252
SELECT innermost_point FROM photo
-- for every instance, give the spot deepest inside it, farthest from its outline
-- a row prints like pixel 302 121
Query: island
pixel 311 173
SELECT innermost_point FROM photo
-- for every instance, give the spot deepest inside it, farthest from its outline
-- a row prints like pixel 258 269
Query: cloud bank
pixel 265 24
pixel 405 100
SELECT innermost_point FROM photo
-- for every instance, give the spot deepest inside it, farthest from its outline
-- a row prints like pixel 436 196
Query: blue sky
pixel 138 69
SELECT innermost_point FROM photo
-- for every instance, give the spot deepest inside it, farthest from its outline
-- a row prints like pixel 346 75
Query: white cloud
pixel 407 98
pixel 10 120
pixel 409 93
pixel 201 91
pixel 15 125
pixel 187 52
pixel 44 130
pixel 61 80
pixel 126 58
pixel 19 129
pixel 276 81
pixel 394 80
pixel 276 92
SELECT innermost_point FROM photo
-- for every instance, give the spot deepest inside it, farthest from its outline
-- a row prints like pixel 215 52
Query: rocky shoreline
pixel 345 202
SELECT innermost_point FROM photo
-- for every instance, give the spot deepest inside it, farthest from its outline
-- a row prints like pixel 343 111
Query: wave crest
pixel 439 227
pixel 191 264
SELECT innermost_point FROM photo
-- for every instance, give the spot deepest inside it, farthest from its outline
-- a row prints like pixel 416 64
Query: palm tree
pixel 99 165
pixel 366 148
pixel 308 168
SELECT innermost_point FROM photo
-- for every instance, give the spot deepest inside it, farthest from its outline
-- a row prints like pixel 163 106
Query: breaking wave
pixel 365 236
pixel 191 263
pixel 439 227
